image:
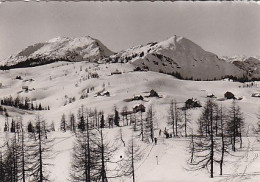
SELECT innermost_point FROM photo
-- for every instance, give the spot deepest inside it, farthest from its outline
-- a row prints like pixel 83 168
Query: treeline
pixel 22 103
pixel 241 79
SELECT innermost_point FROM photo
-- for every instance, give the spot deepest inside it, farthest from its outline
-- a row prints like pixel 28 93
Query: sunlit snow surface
pixel 52 82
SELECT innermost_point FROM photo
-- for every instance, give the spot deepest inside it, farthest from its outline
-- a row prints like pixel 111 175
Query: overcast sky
pixel 225 28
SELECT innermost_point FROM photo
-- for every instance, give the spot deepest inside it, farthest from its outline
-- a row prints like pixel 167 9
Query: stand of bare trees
pixel 39 153
pixel 235 125
pixel 218 130
pixel 91 153
pixel 25 154
pixel 175 119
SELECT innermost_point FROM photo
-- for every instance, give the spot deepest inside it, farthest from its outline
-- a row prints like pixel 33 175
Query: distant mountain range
pixel 177 56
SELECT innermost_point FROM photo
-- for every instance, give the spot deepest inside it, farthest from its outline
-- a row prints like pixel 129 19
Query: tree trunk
pixel 88 152
pixel 234 132
pixel 192 149
pixel 15 160
pixel 176 119
pixel 240 134
pixel 133 168
pixel 211 145
pixel 23 158
pixel 142 127
pixel 40 153
pixel 126 117
pixel 103 170
pixel 86 164
pixel 185 121
pixel 223 143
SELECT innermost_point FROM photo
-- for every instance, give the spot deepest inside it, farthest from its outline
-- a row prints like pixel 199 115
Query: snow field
pixel 54 81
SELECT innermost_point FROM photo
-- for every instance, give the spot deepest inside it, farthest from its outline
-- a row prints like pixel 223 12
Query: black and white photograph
pixel 129 91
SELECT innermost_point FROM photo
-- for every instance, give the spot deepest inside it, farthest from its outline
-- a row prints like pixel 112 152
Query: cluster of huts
pixel 152 93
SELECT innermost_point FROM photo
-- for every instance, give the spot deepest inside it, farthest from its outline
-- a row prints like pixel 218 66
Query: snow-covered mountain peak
pixel 60 48
pixel 57 39
pixel 172 41
pixel 169 43
pixel 178 42
pixel 178 55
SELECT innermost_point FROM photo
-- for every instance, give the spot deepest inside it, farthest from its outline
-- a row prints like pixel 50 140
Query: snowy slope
pixel 61 48
pixel 178 55
pixel 52 84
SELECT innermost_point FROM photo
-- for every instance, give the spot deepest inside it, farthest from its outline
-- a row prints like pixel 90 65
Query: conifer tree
pixel 40 107
pixel 30 127
pixel 12 129
pixel 116 118
pixel 6 127
pixel 63 123
pixel 102 121
pixel 81 119
pixel 72 123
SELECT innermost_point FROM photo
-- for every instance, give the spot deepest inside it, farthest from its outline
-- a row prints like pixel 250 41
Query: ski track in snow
pixel 146 156
pixel 249 157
